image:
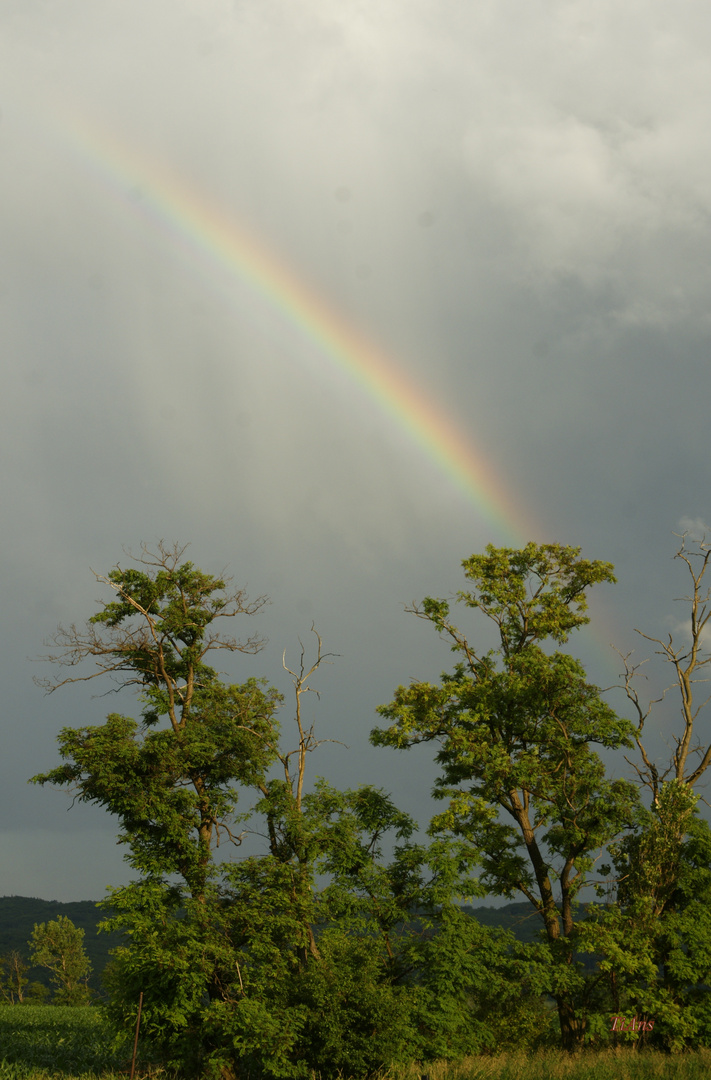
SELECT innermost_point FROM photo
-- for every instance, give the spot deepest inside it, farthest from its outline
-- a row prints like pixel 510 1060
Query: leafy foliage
pixel 173 782
pixel 655 941
pixel 516 727
pixel 344 948
pixel 58 946
pixel 13 976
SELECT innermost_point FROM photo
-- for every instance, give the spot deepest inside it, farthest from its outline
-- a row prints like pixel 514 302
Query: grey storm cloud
pixel 510 200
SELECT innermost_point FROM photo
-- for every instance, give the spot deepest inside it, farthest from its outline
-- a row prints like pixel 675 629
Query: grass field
pixel 41 1041
pixel 49 1040
pixel 553 1065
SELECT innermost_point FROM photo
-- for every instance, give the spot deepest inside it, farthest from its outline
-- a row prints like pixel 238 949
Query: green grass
pixel 9 1071
pixel 38 1042
pixel 51 1040
pixel 623 1064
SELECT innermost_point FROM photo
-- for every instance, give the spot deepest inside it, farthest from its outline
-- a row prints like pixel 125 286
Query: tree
pixel 13 976
pixel 292 843
pixel 255 931
pixel 688 660
pixel 516 728
pixel 218 950
pixel 655 939
pixel 415 977
pixel 172 779
pixel 318 956
pixel 58 946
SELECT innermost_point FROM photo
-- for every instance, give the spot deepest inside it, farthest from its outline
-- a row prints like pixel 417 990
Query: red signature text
pixel 621 1023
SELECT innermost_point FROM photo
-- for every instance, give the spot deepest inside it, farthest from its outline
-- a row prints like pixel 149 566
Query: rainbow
pixel 231 246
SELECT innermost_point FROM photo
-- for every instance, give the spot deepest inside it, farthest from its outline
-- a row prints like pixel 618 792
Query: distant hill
pixel 527 926
pixel 519 918
pixel 19 914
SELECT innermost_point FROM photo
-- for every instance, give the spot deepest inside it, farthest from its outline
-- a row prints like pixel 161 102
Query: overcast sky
pixel 510 200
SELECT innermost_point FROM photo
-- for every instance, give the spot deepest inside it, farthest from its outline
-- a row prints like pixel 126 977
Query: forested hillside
pixel 20 914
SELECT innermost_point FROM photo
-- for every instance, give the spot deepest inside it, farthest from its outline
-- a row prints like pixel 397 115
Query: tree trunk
pixel 572 1027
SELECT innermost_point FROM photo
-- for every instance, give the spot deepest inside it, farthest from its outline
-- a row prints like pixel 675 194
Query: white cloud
pixel 695 528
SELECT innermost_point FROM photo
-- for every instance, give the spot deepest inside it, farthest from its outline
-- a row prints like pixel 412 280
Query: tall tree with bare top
pixel 687 656
pixel 655 939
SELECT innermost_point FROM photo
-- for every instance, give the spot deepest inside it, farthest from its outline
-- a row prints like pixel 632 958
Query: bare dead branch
pixel 688 660
pixel 135 649
pixel 307 740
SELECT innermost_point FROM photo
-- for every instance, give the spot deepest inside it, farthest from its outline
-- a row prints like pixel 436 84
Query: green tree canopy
pixel 59 946
pixel 517 728
pixel 13 976
pixel 172 778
